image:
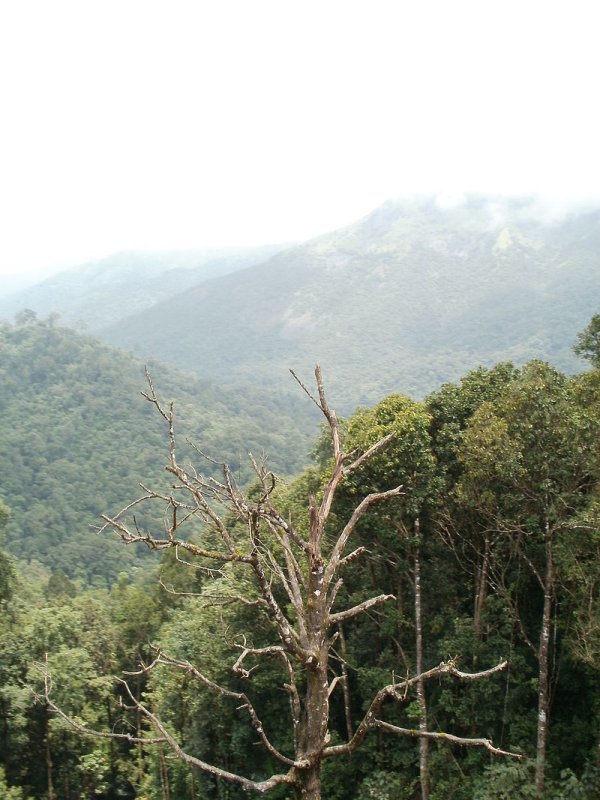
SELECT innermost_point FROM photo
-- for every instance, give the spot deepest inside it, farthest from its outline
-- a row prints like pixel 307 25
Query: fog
pixel 239 124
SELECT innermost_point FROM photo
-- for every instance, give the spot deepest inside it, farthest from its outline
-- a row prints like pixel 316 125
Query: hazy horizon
pixel 545 208
pixel 132 126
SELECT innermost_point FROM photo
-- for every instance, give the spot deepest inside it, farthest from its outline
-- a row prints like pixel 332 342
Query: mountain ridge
pixel 408 297
pixel 403 300
pixel 105 290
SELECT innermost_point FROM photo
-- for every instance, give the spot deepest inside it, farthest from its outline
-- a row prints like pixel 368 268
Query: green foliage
pixel 509 780
pixel 588 342
pixel 76 438
pixel 10 793
pixel 505 781
pixel 4 515
pixel 7 578
pixel 380 785
pixel 453 406
pixel 7 571
pixel 407 458
pixel 59 586
pixel 530 456
pixel 76 639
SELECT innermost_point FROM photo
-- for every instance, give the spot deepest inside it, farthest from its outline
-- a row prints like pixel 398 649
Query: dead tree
pixel 304 569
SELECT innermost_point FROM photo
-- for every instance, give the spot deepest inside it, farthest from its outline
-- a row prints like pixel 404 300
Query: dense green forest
pixel 498 527
pixel 77 437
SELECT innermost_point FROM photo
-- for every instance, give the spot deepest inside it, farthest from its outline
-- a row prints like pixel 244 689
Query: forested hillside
pixel 490 551
pixel 76 438
pixel 409 297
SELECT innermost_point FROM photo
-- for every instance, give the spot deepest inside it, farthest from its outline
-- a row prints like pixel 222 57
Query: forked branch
pixel 399 691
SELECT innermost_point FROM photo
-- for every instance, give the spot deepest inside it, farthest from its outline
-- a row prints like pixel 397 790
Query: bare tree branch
pixel 368 454
pixel 399 692
pixel 348 530
pixel 340 616
pixel 246 783
pixel 445 737
pixel 239 697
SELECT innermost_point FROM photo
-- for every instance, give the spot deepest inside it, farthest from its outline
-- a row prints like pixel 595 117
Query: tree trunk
pixel 140 747
pixel 111 748
pixel 315 713
pixel 423 742
pixel 313 731
pixel 481 586
pixel 345 684
pixel 310 785
pixel 164 774
pixel 51 795
pixel 543 657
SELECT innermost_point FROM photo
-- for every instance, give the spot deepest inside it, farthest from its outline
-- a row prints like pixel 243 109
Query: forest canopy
pixel 496 531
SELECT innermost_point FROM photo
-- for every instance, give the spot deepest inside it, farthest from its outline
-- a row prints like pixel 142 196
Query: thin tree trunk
pixel 140 751
pixel 481 589
pixel 111 749
pixel 192 785
pixel 543 657
pixel 345 684
pixel 164 774
pixel 51 795
pixel 423 742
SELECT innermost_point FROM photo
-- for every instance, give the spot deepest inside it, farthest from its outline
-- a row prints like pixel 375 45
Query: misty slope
pixel 409 297
pixel 101 292
pixel 76 438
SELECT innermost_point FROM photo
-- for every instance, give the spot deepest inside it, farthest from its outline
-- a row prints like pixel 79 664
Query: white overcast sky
pixel 176 124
